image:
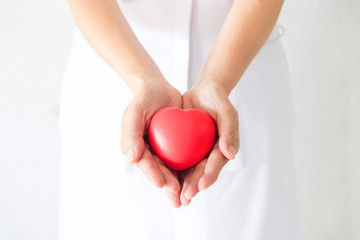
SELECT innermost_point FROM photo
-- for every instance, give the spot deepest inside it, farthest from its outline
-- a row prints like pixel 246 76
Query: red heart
pixel 181 138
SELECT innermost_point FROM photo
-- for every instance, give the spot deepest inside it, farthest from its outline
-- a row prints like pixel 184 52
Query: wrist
pixel 217 82
pixel 213 85
pixel 142 80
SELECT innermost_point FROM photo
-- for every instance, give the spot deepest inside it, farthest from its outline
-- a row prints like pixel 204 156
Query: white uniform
pixel 103 197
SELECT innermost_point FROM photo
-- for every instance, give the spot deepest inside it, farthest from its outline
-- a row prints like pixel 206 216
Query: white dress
pixel 102 197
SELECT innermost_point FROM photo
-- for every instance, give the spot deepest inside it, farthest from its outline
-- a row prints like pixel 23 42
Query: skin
pixel 245 30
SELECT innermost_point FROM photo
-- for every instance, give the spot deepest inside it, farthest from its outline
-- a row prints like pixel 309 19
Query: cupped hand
pixel 213 99
pixel 147 99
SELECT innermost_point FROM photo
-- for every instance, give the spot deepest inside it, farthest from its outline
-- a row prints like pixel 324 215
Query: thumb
pixel 132 132
pixel 228 127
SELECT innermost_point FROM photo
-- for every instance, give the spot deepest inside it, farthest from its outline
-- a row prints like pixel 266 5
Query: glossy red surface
pixel 181 138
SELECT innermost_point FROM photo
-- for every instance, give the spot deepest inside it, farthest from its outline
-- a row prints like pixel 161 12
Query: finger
pixel 132 132
pixel 186 102
pixel 228 127
pixel 174 198
pixel 215 163
pixel 186 178
pixel 191 188
pixel 151 169
pixel 171 182
pixel 184 201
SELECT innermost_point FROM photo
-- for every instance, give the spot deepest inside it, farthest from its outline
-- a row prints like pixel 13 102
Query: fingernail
pixel 171 189
pixel 160 183
pixel 202 185
pixel 232 151
pixel 186 203
pixel 131 154
pixel 201 188
pixel 188 195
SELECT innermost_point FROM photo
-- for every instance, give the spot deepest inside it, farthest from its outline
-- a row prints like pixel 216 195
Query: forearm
pixel 245 30
pixel 105 27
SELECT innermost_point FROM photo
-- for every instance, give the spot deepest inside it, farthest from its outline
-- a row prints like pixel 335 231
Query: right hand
pixel 147 99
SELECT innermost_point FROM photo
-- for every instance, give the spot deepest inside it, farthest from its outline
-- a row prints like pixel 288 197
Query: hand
pixel 213 99
pixel 147 99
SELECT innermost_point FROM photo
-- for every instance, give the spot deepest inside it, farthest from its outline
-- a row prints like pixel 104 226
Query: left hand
pixel 213 99
pixel 148 97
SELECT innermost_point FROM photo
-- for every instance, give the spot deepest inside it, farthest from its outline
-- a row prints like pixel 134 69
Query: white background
pixel 322 44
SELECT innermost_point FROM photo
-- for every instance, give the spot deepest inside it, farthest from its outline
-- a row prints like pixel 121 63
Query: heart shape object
pixel 181 138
